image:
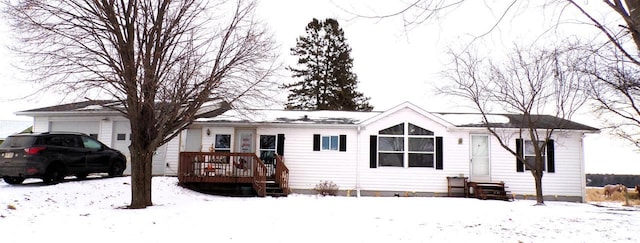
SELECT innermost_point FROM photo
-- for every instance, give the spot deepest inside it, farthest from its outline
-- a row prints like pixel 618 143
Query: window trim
pixel 340 143
pixel 549 156
pixel 221 149
pixel 526 155
pixel 406 150
pixel 330 141
pixel 274 150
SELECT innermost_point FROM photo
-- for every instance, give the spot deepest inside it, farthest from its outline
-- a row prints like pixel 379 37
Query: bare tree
pixel 166 62
pixel 613 68
pixel 529 83
pixel 611 78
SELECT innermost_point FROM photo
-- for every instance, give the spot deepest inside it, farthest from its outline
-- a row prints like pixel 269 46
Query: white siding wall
pixel 40 124
pixel 208 141
pixel 172 157
pixel 567 180
pixel 455 158
pixel 307 167
pixel 106 129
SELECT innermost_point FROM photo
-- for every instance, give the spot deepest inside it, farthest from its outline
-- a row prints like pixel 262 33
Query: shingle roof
pixel 513 121
pixel 461 120
pixel 77 106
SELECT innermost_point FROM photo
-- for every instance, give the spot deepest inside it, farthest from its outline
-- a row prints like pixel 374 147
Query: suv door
pixel 98 157
pixel 67 149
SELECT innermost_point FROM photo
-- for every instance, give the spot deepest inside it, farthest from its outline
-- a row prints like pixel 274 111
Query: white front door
pixel 194 140
pixel 480 160
pixel 245 141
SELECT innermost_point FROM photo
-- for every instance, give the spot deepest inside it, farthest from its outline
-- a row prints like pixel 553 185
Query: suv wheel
pixel 55 174
pixel 117 168
pixel 13 180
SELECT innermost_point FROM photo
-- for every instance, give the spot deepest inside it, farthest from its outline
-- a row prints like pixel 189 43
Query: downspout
pixel 583 182
pixel 358 162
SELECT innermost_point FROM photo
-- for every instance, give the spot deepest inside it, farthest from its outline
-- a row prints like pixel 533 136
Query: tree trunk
pixel 140 178
pixel 538 178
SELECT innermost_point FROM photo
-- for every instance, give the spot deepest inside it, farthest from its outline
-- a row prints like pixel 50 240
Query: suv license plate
pixel 8 155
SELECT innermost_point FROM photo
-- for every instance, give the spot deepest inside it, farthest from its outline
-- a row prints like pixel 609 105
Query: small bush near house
pixel 326 188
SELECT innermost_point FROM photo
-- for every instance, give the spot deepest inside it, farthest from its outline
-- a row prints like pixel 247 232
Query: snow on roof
pixel 91 107
pixel 288 116
pixel 462 119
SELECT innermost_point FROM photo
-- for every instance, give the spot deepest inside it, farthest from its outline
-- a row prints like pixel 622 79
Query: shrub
pixel 326 188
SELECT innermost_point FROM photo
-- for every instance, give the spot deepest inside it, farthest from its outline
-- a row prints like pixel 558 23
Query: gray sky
pixel 393 64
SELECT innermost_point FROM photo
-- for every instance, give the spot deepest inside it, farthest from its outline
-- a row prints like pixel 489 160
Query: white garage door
pixel 88 127
pixel 122 140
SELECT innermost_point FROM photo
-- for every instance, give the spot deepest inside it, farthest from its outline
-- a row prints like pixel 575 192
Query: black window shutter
pixel 551 166
pixel 316 142
pixel 519 164
pixel 439 153
pixel 343 143
pixel 280 145
pixel 373 151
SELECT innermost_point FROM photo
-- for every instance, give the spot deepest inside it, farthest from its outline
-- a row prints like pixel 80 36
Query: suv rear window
pixel 18 142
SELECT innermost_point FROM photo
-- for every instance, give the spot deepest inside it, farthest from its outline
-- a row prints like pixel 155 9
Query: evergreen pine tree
pixel 325 71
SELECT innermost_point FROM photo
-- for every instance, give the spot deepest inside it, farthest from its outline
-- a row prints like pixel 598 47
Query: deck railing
pixel 225 167
pixel 217 167
pixel 260 179
pixel 282 174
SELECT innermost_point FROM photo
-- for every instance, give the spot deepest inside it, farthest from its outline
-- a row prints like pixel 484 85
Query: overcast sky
pixel 393 63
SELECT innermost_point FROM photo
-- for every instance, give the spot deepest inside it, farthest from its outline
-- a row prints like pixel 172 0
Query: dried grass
pixel 596 194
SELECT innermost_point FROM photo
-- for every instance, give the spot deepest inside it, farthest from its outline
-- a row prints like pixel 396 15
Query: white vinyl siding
pixel 565 181
pixel 172 157
pixel 415 179
pixel 305 170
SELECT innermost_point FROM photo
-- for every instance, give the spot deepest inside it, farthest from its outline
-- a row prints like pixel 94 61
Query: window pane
pixel 325 143
pixel 17 141
pixel 267 142
pixel 90 143
pixel 529 150
pixel 390 159
pixel 268 157
pixel 334 142
pixel 391 144
pixel 395 130
pixel 531 161
pixel 223 141
pixel 421 144
pixel 420 160
pixel 416 130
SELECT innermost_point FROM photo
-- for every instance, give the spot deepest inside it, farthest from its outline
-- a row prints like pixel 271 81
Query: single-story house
pixel 405 150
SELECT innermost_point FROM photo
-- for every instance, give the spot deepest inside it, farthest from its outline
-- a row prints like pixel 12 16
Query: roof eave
pixel 66 113
pixel 273 124
pixel 463 128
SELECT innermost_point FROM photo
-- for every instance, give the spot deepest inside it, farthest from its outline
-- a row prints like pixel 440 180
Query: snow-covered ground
pixel 91 211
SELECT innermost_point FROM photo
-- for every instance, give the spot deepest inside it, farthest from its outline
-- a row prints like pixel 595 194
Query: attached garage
pixel 88 127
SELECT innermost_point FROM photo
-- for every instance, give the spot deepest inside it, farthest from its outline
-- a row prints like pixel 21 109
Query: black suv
pixel 51 156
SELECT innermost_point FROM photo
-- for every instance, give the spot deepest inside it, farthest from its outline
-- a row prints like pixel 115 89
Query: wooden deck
pixel 488 190
pixel 234 168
